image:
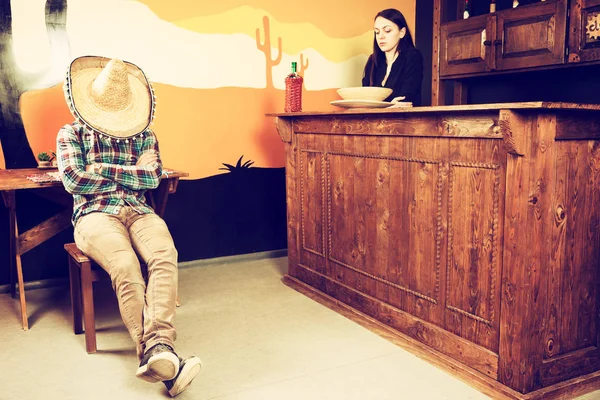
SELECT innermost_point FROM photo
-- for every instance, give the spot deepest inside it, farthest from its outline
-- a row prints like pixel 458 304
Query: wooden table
pixel 469 234
pixel 12 180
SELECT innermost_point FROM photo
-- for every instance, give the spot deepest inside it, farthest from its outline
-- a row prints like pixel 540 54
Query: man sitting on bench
pixel 107 159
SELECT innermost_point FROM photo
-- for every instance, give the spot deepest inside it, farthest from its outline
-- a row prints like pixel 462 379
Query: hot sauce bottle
pixel 293 91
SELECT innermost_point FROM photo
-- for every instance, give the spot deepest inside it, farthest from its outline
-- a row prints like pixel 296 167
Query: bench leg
pixel 88 307
pixel 75 281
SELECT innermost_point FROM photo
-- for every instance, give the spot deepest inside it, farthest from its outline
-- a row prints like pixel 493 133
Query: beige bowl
pixel 365 93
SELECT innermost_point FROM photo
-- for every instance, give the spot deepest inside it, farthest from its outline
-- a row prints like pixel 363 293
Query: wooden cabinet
pixel 469 233
pixel 466 46
pixel 532 36
pixel 584 35
pixel 526 37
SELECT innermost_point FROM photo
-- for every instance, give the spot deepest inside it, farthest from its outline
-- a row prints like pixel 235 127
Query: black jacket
pixel 405 77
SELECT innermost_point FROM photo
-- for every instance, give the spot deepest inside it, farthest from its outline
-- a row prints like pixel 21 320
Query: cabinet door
pixel 465 46
pixel 531 36
pixel 584 35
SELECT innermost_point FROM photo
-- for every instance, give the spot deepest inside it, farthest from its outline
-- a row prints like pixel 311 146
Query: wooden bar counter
pixel 468 234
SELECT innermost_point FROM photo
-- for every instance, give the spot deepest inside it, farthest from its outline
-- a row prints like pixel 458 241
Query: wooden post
pixel 460 93
pixel 285 129
pixel 437 89
pixel 526 255
pixel 460 87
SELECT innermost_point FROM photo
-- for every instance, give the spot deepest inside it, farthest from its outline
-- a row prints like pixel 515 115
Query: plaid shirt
pixel 120 181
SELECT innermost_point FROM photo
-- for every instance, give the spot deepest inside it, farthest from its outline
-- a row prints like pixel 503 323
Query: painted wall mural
pixel 217 68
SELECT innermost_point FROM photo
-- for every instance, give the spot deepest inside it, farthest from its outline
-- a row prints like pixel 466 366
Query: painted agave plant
pixel 238 166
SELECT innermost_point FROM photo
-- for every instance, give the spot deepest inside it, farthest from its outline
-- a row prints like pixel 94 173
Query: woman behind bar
pixel 395 62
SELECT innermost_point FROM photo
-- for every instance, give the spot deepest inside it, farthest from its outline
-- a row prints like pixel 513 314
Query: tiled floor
pixel 258 339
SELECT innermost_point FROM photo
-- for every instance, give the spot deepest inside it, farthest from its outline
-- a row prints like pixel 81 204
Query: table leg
pixel 24 320
pixel 9 199
pixel 9 202
pixel 161 194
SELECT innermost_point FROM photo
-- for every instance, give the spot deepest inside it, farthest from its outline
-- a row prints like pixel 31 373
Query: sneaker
pixel 188 369
pixel 160 363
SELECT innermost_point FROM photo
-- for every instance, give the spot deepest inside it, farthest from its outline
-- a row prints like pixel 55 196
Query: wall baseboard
pixel 44 283
pixel 263 255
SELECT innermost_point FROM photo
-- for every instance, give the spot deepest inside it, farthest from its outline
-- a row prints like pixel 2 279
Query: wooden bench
pixel 83 272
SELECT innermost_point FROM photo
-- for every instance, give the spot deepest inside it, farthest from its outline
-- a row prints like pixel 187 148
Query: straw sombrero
pixel 109 96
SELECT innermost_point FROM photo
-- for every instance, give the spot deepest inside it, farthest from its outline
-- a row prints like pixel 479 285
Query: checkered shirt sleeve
pixel 71 165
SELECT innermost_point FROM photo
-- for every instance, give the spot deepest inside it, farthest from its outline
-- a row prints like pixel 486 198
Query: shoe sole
pixel 189 371
pixel 161 367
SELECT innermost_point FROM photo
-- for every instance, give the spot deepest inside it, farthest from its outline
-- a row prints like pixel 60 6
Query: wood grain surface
pixel 472 231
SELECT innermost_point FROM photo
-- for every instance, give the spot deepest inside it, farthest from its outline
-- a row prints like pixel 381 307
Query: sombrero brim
pixel 127 121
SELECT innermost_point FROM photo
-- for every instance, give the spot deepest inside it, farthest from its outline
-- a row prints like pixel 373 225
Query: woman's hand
pixel 397 102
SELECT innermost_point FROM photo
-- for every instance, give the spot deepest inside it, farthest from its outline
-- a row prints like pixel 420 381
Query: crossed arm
pixel 79 178
pixel 145 174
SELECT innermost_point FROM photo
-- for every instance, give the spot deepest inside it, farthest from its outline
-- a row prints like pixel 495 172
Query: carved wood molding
pixel 328 244
pixel 304 152
pixel 439 227
pixel 495 222
pixel 479 125
pixel 284 128
pixel 384 281
pixel 511 125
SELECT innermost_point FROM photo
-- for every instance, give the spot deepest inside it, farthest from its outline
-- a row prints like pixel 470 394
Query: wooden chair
pixel 83 272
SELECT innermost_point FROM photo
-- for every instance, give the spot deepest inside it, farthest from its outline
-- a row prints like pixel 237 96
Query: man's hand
pixel 147 159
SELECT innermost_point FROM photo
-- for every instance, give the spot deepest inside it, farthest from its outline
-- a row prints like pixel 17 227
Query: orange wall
pixel 200 128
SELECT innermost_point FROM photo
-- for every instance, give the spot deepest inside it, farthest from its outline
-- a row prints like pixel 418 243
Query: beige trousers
pixel 148 310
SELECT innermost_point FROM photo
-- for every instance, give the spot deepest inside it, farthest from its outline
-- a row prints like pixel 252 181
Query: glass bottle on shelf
pixel 492 6
pixel 466 12
pixel 293 91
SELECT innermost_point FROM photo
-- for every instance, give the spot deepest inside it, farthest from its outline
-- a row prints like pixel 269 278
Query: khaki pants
pixel 148 311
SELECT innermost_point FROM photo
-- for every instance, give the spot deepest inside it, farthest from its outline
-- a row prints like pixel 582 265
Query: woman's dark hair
pixel 378 56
